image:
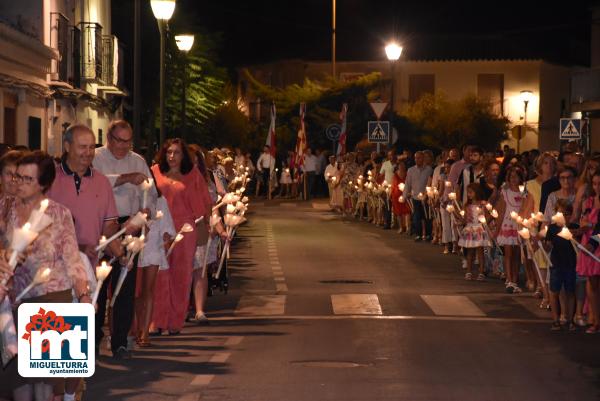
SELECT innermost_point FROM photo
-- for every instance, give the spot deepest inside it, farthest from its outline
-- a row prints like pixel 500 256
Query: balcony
pixel 91 45
pixel 585 90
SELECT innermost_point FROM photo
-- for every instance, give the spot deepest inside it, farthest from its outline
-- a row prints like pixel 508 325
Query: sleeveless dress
pixel 473 235
pixel 587 266
pixel 509 234
pixel 399 208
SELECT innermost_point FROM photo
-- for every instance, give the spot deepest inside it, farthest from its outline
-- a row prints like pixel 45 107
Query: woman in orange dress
pixel 186 193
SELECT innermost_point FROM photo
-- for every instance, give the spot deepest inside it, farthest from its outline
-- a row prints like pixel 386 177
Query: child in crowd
pixel 473 237
pixel 563 269
pixel 285 180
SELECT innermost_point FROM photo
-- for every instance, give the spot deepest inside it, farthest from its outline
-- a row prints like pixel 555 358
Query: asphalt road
pixel 326 308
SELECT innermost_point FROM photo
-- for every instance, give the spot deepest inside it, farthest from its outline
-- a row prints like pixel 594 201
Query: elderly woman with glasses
pixel 54 248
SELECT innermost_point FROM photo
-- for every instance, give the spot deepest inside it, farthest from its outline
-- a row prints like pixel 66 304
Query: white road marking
pixel 281 287
pixel 220 357
pixel 261 305
pixel 277 273
pixel 279 279
pixel 231 341
pixel 356 304
pixel 382 317
pixel 202 380
pixel 452 305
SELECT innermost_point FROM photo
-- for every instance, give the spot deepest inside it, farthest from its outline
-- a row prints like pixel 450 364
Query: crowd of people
pixel 190 201
pixel 529 219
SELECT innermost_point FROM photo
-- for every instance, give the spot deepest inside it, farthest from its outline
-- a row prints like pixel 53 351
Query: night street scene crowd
pixel 528 221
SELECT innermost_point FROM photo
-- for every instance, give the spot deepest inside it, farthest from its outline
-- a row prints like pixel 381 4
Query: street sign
pixel 378 108
pixel 333 132
pixel 570 128
pixel 379 131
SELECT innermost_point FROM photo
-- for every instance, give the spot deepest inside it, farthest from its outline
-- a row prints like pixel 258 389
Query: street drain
pixel 346 282
pixel 329 364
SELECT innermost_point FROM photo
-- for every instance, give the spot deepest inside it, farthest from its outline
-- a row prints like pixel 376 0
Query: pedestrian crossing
pixel 382 305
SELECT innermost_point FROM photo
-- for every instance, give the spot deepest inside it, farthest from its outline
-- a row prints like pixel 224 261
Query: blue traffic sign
pixel 379 131
pixel 570 128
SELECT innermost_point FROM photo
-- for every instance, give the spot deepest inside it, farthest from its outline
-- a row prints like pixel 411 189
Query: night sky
pixel 260 31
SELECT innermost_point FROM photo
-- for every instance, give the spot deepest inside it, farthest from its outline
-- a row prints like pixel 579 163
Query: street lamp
pixel 526 96
pixel 163 10
pixel 184 44
pixel 393 52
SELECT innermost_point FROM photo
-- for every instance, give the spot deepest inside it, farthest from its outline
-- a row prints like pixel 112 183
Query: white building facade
pixel 59 64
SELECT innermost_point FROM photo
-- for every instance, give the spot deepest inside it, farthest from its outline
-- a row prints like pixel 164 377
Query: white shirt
pixel 331 171
pixel 416 180
pixel 128 197
pixel 310 163
pixel 265 161
pixel 387 168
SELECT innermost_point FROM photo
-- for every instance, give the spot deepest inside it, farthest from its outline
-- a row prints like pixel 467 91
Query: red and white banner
pixel 271 138
pixel 341 149
pixel 301 139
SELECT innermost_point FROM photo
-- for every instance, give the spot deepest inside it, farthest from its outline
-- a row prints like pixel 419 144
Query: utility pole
pixel 137 49
pixel 333 16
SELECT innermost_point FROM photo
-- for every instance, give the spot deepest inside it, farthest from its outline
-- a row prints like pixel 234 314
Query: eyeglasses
pixel 23 178
pixel 122 141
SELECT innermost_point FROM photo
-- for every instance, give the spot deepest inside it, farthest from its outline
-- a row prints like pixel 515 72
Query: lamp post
pixel 184 44
pixel 393 52
pixel 525 97
pixel 162 10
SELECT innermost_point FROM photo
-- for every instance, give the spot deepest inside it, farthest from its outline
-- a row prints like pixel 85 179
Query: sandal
pixel 555 326
pixel 572 327
pixel 592 330
pixel 468 276
pixel 481 277
pixel 156 333
pixel 544 304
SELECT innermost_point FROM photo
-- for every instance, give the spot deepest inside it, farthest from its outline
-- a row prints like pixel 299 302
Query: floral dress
pixel 473 234
pixel 509 231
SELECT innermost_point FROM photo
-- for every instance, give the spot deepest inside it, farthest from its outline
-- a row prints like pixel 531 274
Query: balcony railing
pixel 91 51
pixel 60 40
pixel 585 86
pixel 110 60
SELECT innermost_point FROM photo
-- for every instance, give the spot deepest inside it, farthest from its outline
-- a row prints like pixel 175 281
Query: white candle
pixel 489 207
pixel 145 186
pixel 559 219
pixel 102 272
pixel 524 233
pixel 494 213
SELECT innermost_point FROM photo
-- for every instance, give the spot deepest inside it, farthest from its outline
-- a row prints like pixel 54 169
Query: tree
pixel 441 123
pixel 205 87
pixel 324 102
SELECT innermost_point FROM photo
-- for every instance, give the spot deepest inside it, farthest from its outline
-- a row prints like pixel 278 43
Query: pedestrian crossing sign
pixel 570 128
pixel 379 131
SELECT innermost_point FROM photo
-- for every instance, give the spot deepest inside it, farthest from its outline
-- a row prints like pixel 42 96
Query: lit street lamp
pixel 393 52
pixel 184 44
pixel 525 97
pixel 163 10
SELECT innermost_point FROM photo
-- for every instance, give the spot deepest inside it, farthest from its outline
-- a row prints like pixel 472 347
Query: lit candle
pixel 489 207
pixel 145 186
pixel 102 272
pixel 559 219
pixel 494 213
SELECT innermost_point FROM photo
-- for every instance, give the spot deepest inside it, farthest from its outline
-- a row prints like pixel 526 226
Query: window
pixel 490 88
pixel 419 85
pixel 35 133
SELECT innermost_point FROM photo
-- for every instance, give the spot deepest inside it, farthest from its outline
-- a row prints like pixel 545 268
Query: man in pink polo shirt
pixel 85 192
pixel 88 195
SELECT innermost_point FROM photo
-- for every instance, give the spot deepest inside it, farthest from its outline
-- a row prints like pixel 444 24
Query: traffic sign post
pixel 333 133
pixel 570 128
pixel 378 132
